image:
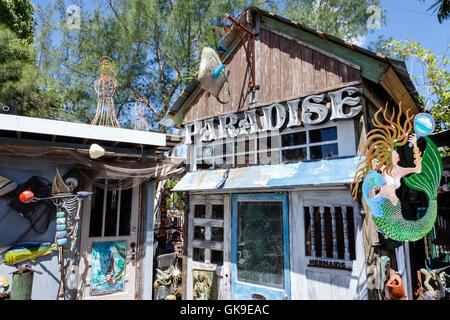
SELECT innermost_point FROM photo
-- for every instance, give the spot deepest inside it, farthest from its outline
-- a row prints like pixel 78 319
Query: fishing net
pixel 41 188
pixel 127 174
pixel 120 175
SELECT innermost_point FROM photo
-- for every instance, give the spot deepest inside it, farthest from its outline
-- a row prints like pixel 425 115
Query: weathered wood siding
pixel 286 69
pixel 290 69
pixel 310 283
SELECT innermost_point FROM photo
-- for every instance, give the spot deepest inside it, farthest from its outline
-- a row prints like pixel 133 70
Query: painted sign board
pixel 314 111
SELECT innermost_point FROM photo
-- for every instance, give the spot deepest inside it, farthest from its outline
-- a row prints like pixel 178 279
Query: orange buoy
pixel 26 196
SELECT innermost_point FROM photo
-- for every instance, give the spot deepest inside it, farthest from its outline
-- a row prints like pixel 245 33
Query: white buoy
pixel 95 151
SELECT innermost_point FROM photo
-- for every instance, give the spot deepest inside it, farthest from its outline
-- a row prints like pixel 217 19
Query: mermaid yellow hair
pixel 380 144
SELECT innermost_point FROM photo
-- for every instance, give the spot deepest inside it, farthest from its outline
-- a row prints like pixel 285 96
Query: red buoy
pixel 26 196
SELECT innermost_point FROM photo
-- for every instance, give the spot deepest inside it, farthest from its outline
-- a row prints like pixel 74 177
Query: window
pixel 298 144
pixel 207 241
pixel 260 248
pixel 111 212
pixel 329 232
pixel 310 144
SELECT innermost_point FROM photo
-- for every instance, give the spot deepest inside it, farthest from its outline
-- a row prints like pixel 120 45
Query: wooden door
pixel 108 244
pixel 209 243
pixel 327 253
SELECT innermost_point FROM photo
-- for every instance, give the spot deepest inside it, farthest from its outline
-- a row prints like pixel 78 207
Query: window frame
pixel 118 215
pixel 222 271
pixel 345 130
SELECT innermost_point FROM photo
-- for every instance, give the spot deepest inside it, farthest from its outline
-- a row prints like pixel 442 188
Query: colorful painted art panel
pixel 108 267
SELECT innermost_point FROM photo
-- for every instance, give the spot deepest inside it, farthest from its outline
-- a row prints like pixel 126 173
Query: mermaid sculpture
pixel 380 154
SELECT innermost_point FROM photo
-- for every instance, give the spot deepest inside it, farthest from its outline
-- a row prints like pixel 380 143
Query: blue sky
pixel 410 19
pixel 406 19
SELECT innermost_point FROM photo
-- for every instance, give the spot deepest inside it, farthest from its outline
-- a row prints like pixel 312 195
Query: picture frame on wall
pixel 204 284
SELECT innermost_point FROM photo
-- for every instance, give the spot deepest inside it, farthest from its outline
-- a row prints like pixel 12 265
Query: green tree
pixel 442 7
pixel 18 16
pixel 434 80
pixel 22 86
pixel 155 44
pixel 345 19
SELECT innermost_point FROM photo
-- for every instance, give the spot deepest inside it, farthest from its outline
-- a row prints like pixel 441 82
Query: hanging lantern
pixel 26 196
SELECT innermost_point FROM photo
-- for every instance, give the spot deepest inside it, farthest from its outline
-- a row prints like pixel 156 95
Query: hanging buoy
pixel 26 196
pixel 95 151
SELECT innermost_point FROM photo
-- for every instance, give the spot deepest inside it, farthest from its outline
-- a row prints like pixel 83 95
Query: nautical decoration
pixel 96 151
pixel 204 283
pixel 6 185
pixel 27 251
pixel 105 87
pixel 26 196
pixel 141 107
pixel 166 283
pixel 434 284
pixel 61 234
pixel 211 75
pixel 4 284
pixel 380 154
pixel 394 288
pixel 108 267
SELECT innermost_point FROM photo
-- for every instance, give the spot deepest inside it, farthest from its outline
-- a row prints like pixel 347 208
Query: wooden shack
pixel 115 223
pixel 270 211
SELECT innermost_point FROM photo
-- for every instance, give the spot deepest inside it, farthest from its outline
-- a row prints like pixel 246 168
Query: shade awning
pixel 310 173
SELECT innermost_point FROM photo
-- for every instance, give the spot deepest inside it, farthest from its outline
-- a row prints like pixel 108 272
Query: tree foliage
pixel 343 19
pixel 18 16
pixel 441 8
pixel 155 44
pixel 22 86
pixel 435 78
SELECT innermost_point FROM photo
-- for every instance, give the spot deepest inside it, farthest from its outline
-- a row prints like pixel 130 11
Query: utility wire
pixel 408 10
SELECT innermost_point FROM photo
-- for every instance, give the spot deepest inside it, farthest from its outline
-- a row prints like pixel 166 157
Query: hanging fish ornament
pixel 27 251
pixel 211 74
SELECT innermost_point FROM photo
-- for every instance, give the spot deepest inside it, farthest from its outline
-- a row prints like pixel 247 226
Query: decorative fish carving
pixel 211 74
pixel 27 251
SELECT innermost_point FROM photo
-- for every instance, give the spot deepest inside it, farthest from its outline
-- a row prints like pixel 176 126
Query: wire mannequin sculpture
pixel 141 112
pixel 105 87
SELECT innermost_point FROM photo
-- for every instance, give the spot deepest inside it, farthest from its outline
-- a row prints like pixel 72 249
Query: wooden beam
pixel 326 53
pixel 395 88
pixel 55 146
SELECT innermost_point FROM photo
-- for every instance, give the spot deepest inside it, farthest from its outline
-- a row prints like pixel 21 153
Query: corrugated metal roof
pixel 308 173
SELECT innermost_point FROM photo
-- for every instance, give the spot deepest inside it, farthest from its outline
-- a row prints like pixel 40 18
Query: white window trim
pixel 345 141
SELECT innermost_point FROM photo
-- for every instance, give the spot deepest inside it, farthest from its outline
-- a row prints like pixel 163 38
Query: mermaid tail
pixel 392 222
